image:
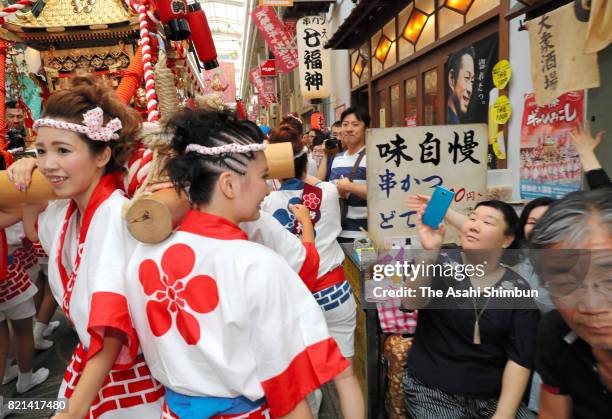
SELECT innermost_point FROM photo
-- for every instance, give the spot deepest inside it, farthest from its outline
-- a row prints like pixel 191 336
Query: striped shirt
pixel 357 215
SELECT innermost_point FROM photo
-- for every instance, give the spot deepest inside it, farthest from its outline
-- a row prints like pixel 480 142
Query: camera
pixel 16 138
pixel 331 143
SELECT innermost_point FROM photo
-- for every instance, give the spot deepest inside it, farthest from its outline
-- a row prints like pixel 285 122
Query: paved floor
pixel 56 359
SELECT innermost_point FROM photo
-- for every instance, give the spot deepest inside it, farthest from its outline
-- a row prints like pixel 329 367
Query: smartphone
pixel 437 207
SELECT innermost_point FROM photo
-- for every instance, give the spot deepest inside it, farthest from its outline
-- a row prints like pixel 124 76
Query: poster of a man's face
pixel 469 81
pixel 461 76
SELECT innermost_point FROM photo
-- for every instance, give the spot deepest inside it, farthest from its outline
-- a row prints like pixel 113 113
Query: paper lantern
pixel 173 14
pixel 202 37
pixel 314 59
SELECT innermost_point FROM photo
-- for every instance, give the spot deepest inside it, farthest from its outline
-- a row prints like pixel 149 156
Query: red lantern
pixel 173 14
pixel 201 37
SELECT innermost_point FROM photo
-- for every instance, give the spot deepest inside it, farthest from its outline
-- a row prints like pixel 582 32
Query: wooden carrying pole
pixel 152 218
pixel 40 190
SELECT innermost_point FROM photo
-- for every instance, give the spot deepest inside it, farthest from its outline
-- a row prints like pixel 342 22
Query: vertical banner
pixel 277 38
pixel 558 61
pixel 550 165
pixel 221 80
pixel 311 33
pixel 412 160
pixel 265 98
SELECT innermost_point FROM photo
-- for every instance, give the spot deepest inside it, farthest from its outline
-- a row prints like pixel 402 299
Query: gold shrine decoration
pixel 83 5
pixel 61 63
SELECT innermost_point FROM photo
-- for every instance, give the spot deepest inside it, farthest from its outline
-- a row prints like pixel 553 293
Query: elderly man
pixel 574 355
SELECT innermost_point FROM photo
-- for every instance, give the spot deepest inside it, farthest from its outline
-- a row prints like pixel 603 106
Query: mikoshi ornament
pixel 202 37
pixel 173 14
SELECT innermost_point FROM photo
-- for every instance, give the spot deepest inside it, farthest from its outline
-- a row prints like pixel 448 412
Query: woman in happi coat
pixel 225 324
pixel 84 137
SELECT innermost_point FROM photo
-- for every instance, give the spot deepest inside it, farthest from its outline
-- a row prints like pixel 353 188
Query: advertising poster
pixel 469 79
pixel 221 80
pixel 550 165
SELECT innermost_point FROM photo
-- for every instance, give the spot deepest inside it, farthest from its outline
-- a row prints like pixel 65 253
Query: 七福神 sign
pixel 277 38
pixel 311 35
pixel 265 98
pixel 558 63
pixel 550 165
pixel 410 160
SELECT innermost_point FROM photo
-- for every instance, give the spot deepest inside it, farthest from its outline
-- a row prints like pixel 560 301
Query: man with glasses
pixel 573 257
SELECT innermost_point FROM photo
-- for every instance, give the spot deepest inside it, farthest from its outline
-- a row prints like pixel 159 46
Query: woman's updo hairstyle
pixel 196 173
pixel 294 120
pixel 288 134
pixel 85 93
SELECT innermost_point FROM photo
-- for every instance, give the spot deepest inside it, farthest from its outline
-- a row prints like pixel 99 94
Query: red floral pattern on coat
pixel 173 295
pixel 311 201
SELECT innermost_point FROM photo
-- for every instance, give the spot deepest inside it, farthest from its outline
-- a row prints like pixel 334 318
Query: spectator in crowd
pixel 585 145
pixel 472 356
pixel 331 289
pixel 574 352
pixel 15 123
pixel 329 150
pixel 315 157
pixel 348 172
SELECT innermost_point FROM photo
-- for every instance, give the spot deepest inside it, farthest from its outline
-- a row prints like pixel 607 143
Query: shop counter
pixel 367 362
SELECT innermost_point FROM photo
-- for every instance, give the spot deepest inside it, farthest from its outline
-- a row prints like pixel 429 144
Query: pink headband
pixel 228 148
pixel 92 127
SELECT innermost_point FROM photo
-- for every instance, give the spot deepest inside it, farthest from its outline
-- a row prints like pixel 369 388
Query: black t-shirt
pixel 443 354
pixel 597 178
pixel 568 367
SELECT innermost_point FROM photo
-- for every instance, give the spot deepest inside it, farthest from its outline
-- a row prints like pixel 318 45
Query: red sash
pixel 103 190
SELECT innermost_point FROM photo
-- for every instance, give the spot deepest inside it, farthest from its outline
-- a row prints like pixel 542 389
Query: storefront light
pixel 461 6
pixel 414 27
pixel 358 67
pixel 382 49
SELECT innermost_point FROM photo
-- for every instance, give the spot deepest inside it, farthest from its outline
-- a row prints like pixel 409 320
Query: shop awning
pixel 302 8
pixel 364 19
pixel 534 8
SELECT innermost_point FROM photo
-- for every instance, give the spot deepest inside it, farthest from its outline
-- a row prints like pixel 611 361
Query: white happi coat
pixel 98 302
pixel 327 228
pixel 219 316
pixel 19 284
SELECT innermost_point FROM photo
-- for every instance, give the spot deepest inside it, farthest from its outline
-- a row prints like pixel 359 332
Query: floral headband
pixel 227 148
pixel 92 125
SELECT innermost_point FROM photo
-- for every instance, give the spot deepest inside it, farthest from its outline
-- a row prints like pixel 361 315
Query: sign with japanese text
pixel 314 59
pixel 268 68
pixel 277 38
pixel 265 99
pixel 502 71
pixel 410 160
pixel 558 63
pixel 550 165
pixel 317 120
pixel 290 25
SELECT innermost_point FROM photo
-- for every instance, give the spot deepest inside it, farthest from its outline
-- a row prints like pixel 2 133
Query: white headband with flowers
pixel 227 148
pixel 92 125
